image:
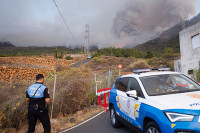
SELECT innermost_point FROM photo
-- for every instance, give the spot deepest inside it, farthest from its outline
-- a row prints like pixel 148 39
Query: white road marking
pixel 82 122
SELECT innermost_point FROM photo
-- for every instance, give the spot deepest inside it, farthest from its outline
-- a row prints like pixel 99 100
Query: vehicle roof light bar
pixel 164 69
pixel 138 71
pixel 141 70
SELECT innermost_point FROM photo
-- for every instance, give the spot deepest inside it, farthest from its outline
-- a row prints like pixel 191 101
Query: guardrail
pixel 103 92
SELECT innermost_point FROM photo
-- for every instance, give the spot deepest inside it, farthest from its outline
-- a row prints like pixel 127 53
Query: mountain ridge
pixel 168 38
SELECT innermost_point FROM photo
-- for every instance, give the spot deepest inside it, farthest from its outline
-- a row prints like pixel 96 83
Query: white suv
pixel 156 102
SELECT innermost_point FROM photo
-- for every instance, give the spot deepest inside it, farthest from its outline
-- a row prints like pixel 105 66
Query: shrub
pixel 97 55
pixel 169 54
pixel 140 64
pixel 13 108
pixel 73 90
pixel 196 74
pixel 97 60
pixel 2 119
pixel 158 62
pixel 68 58
pixel 1 55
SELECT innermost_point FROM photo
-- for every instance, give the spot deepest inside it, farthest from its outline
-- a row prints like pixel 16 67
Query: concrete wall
pixel 177 65
pixel 190 56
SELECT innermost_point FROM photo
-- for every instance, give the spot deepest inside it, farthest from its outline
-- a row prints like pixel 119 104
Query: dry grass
pixel 71 120
pixel 62 122
pixel 140 64
pixel 159 62
pixel 106 63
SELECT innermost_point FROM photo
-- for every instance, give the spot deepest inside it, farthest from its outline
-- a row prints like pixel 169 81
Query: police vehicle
pixel 156 102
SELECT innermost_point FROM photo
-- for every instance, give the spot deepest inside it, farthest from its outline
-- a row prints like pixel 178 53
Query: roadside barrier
pixel 103 92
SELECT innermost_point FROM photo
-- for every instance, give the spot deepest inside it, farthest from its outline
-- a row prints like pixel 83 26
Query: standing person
pixel 38 97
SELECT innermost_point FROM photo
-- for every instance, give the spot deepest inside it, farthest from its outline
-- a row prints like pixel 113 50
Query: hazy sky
pixel 37 22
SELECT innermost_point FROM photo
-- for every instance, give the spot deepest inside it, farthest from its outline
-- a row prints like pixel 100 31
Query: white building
pixel 190 50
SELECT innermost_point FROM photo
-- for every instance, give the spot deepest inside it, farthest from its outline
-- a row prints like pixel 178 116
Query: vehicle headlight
pixel 174 117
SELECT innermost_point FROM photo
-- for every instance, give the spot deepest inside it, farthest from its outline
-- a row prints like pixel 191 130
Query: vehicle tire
pixel 152 127
pixel 113 118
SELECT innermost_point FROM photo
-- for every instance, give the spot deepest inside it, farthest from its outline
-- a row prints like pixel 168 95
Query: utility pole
pixel 54 88
pixel 87 37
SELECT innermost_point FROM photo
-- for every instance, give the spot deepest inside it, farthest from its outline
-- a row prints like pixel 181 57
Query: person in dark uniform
pixel 38 97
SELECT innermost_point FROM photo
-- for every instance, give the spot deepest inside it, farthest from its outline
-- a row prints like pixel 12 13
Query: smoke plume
pixel 141 20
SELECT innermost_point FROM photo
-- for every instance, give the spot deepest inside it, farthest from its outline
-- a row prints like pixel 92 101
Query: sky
pixel 112 22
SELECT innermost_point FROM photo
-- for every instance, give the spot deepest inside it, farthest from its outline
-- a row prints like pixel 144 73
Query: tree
pixel 169 51
pixel 118 52
pixel 61 54
pixel 149 54
pixel 56 53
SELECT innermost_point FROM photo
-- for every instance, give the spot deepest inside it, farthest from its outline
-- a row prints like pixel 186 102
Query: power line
pixel 65 22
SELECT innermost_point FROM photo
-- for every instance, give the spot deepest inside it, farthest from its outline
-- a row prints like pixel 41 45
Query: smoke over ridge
pixel 141 20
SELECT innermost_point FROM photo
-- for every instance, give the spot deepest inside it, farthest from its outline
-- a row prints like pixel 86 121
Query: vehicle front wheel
pixel 152 127
pixel 113 118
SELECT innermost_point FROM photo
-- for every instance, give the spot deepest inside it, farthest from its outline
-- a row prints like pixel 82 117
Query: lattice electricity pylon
pixel 87 37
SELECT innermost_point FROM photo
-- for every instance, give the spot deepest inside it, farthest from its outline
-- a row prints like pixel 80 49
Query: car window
pixel 121 84
pixel 168 84
pixel 180 81
pixel 134 85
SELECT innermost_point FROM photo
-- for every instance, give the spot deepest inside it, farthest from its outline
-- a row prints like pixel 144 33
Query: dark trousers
pixel 33 116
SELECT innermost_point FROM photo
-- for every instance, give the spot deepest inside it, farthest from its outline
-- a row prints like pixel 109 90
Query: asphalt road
pixel 80 62
pixel 99 124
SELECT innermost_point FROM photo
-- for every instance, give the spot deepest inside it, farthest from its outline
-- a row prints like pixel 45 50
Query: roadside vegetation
pixel 168 53
pixel 38 51
pixel 196 74
pixel 148 59
pixel 103 63
pixel 74 92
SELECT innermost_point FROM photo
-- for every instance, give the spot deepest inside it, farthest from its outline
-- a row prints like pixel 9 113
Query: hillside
pixel 169 38
pixel 4 45
pixel 35 51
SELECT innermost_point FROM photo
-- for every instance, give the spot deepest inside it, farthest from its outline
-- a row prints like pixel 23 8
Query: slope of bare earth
pixel 26 68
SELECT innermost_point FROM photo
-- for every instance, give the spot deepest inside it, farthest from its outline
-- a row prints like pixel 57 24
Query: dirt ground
pixel 12 68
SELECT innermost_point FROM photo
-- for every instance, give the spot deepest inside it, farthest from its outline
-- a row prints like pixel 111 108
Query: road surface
pixel 99 124
pixel 80 62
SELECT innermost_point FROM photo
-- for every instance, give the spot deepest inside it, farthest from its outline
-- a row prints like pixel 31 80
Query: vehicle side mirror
pixel 132 93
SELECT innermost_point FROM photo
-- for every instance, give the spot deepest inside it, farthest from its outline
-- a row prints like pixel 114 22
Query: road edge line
pixel 82 122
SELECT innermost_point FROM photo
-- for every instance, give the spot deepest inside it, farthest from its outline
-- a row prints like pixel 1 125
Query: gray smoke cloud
pixel 142 20
pixel 112 22
pixel 38 23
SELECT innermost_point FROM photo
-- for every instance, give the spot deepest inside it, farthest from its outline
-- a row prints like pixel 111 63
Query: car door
pixel 133 104
pixel 121 88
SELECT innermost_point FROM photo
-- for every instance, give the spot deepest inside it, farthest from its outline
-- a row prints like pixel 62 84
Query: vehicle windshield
pixel 168 84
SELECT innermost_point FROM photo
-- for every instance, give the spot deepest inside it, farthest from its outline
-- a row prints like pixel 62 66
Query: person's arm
pixel 47 100
pixel 46 96
pixel 27 97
